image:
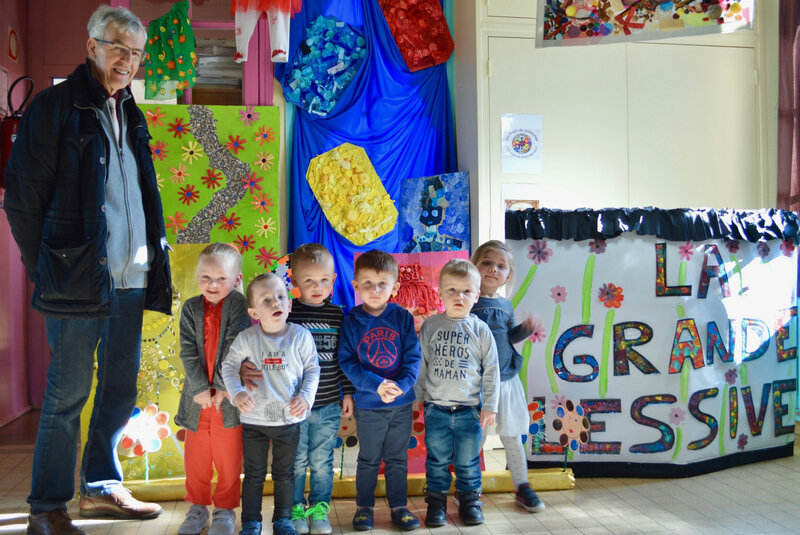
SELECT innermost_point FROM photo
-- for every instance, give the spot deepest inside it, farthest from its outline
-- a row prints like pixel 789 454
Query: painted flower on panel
pixel 265 226
pixel 176 222
pixel 741 442
pixel 178 129
pixel 676 415
pixel 159 150
pixel 558 400
pixel 159 181
pixel 244 243
pixel 179 174
pixel 266 257
pixel 264 160
pixel 686 250
pixel 191 152
pixel 731 376
pixel 763 249
pixel 597 246
pixel 235 144
pixel 248 116
pixel 211 178
pixel 261 202
pixel 611 295
pixel 558 294
pixel 154 117
pixel 537 418
pixel 251 182
pixel 732 245
pixel 229 222
pixel 188 194
pixel 539 252
pixel 265 134
pixel 572 425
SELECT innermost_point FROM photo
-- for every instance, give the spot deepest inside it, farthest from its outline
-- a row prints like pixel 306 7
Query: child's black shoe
pixel 528 499
pixel 404 519
pixel 470 507
pixel 437 509
pixel 363 519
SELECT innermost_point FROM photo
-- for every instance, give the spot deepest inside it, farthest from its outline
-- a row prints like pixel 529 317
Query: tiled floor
pixel 757 498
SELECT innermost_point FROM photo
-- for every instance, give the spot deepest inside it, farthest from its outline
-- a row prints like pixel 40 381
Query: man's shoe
pixel 404 519
pixel 320 524
pixel 299 518
pixel 196 520
pixel 56 522
pixel 528 499
pixel 363 519
pixel 119 504
pixel 437 509
pixel 251 527
pixel 283 526
pixel 469 507
pixel 223 523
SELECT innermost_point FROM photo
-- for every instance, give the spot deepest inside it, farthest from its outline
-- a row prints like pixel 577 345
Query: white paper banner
pixel 674 352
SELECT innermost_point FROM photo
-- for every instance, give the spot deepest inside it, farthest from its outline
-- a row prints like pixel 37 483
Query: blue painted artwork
pixel 434 213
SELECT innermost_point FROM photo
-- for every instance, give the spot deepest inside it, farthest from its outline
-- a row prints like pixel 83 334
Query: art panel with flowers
pixel 677 352
pixel 217 170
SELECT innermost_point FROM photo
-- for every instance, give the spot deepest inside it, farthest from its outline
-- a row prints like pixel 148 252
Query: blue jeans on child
pixel 69 381
pixel 453 435
pixel 383 434
pixel 315 451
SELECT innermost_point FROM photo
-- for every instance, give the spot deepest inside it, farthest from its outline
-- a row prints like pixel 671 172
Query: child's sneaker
pixel 196 520
pixel 470 507
pixel 283 526
pixel 223 523
pixel 251 527
pixel 404 519
pixel 299 518
pixel 320 524
pixel 528 499
pixel 363 519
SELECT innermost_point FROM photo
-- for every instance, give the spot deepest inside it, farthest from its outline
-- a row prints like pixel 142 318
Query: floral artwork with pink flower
pixel 539 252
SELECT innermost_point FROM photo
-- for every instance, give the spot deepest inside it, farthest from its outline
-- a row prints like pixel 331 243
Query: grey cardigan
pixel 234 320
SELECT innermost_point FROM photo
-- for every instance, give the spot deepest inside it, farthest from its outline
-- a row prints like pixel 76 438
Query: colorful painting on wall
pixel 578 22
pixel 217 169
pixel 677 352
pixel 434 213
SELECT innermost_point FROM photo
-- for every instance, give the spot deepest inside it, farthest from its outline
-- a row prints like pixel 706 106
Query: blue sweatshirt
pixel 374 348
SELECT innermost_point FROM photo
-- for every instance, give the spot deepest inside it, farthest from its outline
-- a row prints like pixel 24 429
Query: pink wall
pixel 14 392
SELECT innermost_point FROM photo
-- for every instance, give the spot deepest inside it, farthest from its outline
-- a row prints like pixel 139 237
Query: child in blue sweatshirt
pixel 379 352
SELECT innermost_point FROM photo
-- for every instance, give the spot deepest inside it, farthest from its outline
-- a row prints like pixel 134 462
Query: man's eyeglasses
pixel 121 50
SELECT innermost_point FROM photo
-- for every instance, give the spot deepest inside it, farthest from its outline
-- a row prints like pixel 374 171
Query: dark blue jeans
pixel 255 448
pixel 453 436
pixel 69 380
pixel 383 434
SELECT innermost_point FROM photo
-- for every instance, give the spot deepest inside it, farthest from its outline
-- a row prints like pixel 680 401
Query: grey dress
pixel 234 320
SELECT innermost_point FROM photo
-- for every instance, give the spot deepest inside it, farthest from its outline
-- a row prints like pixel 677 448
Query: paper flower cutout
pixel 211 178
pixel 266 258
pixel 572 425
pixel 351 194
pixel 611 295
pixel 144 432
pixel 686 250
pixel 265 134
pixel 597 246
pixel 159 150
pixel 178 129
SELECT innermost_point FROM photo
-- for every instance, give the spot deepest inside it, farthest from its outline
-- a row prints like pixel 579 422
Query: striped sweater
pixel 324 322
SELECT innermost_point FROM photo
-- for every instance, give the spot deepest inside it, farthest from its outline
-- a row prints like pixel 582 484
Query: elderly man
pixel 84 209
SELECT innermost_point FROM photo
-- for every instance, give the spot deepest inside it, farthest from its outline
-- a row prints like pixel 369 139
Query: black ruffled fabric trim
pixel 685 224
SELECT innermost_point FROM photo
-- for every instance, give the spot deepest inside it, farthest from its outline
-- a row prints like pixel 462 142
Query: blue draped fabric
pixel 402 120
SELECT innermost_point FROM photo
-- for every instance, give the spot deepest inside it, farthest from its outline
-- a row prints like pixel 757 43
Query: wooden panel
pixel 693 126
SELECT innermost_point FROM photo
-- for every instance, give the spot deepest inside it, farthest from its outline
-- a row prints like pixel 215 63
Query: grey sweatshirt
pixel 290 367
pixel 459 363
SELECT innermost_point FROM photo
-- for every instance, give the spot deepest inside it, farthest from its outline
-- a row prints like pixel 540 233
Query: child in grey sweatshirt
pixel 287 356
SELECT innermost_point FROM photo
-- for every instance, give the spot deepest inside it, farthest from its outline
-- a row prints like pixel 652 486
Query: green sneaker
pixel 299 518
pixel 320 524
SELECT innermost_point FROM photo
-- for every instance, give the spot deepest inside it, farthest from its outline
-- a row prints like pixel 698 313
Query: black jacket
pixel 55 195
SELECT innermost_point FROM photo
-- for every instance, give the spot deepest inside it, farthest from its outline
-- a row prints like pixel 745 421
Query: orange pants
pixel 213 446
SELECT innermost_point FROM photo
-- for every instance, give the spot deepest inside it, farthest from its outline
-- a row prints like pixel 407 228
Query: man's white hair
pixel 121 17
